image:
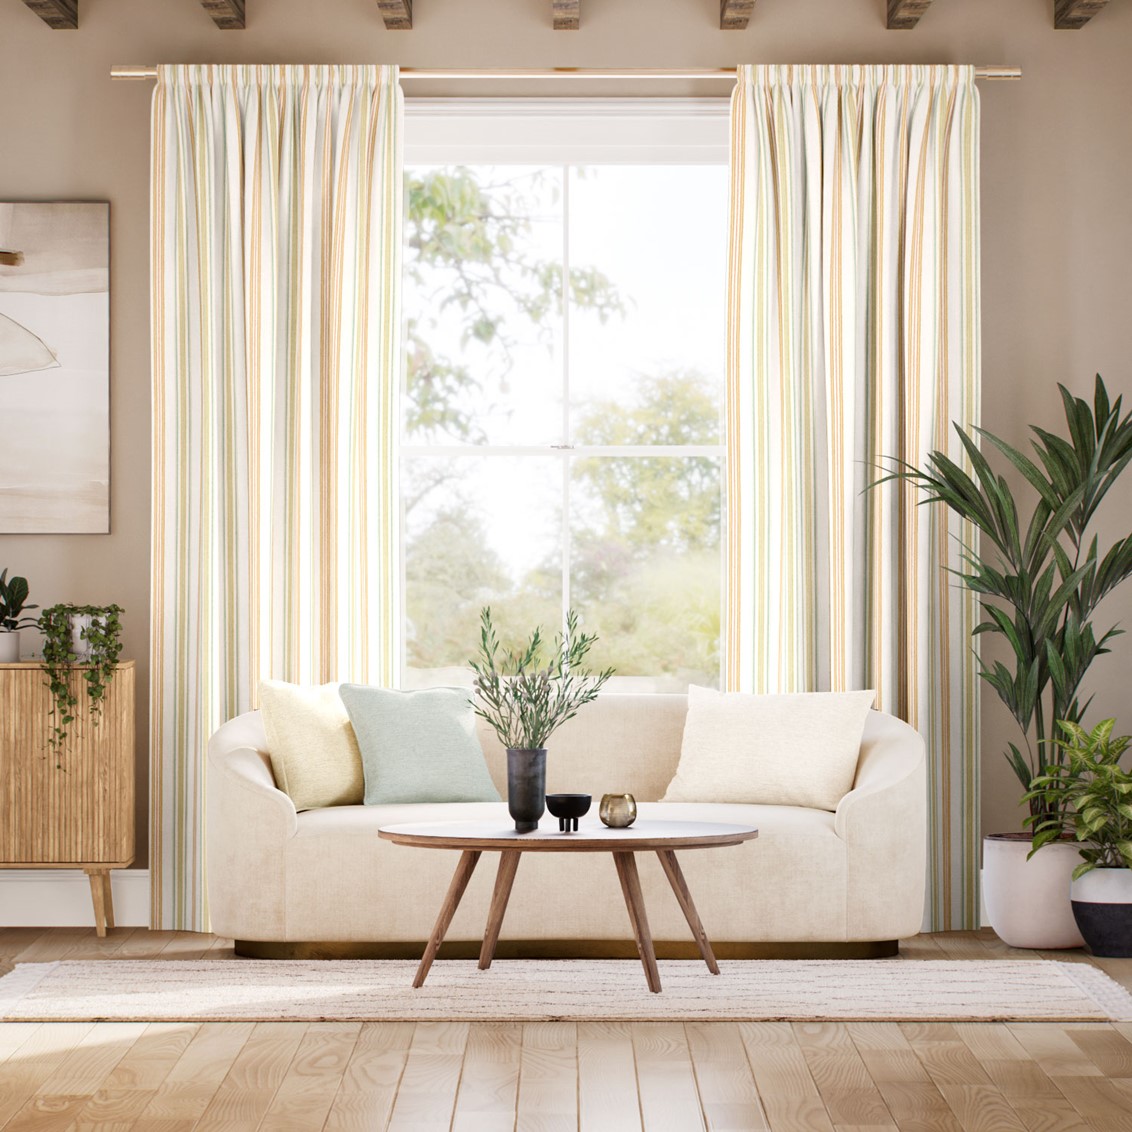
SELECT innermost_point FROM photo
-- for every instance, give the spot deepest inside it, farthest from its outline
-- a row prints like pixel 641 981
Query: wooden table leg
pixel 504 878
pixel 634 900
pixel 463 874
pixel 102 898
pixel 675 876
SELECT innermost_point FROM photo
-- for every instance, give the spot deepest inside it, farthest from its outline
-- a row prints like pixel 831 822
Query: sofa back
pixel 621 743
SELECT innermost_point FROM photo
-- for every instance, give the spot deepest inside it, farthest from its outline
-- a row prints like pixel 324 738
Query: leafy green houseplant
pixel 526 695
pixel 1040 579
pixel 1089 793
pixel 92 650
pixel 1040 575
pixel 13 602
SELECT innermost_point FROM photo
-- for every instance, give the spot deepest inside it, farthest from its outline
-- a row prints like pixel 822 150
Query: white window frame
pixel 565 131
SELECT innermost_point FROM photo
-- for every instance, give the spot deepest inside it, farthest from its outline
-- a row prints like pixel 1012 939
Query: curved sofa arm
pixel 248 822
pixel 883 821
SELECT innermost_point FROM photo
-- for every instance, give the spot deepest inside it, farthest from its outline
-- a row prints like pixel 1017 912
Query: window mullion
pixel 567 431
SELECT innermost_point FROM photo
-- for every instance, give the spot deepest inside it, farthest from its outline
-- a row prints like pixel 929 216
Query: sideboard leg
pixel 634 900
pixel 109 902
pixel 463 874
pixel 102 899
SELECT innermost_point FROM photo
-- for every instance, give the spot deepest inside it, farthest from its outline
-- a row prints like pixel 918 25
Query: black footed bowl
pixel 567 808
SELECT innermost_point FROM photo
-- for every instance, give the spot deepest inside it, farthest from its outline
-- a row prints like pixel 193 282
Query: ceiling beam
pixel 1074 14
pixel 905 14
pixel 397 14
pixel 56 13
pixel 735 14
pixel 228 15
pixel 567 14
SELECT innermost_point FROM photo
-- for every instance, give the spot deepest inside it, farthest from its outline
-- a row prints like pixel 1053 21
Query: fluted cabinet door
pixel 74 807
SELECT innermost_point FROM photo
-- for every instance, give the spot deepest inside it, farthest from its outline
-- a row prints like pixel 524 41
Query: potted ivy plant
pixel 1040 575
pixel 1089 793
pixel 526 697
pixel 78 639
pixel 13 602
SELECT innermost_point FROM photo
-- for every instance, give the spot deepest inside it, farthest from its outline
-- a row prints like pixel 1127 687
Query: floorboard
pixel 594 1076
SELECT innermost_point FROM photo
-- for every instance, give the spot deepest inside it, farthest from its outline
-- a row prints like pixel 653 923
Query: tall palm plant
pixel 1039 582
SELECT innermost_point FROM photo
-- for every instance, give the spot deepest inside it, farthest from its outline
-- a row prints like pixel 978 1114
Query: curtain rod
pixel 989 72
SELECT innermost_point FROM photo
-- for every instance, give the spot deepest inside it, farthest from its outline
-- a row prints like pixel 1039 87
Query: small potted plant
pixel 1089 794
pixel 13 602
pixel 525 699
pixel 78 638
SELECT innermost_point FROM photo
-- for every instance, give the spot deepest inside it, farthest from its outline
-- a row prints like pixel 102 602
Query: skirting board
pixel 60 898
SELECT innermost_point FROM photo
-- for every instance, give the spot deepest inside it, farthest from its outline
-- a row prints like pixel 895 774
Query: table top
pixel 591 837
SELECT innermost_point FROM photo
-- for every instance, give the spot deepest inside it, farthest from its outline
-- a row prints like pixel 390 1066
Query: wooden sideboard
pixel 74 810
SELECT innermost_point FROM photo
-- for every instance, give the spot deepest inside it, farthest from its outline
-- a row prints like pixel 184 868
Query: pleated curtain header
pixel 819 75
pixel 333 76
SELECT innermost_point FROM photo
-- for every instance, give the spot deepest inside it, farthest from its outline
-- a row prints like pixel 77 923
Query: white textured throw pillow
pixel 314 753
pixel 790 750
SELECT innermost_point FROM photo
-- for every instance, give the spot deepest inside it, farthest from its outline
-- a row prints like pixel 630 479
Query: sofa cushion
pixel 782 750
pixel 314 755
pixel 418 746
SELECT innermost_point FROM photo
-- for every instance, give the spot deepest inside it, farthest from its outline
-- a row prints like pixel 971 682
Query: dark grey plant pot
pixel 526 787
pixel 1102 907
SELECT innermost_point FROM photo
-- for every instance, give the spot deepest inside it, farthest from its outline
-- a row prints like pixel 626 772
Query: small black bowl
pixel 567 808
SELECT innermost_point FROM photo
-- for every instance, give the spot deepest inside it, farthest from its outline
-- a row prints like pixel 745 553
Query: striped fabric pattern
pixel 853 336
pixel 276 218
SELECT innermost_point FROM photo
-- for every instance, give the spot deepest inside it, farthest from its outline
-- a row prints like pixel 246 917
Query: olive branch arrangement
pixel 524 700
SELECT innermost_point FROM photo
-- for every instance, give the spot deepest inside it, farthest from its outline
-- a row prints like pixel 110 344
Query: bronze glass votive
pixel 618 810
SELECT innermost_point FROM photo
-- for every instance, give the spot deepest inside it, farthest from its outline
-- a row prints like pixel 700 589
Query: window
pixel 562 446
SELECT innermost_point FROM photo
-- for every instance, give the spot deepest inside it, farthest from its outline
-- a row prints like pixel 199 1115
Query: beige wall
pixel 1057 224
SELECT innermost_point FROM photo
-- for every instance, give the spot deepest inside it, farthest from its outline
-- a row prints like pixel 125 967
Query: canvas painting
pixel 55 368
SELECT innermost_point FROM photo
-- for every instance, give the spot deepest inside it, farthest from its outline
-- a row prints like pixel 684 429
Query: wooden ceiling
pixel 734 15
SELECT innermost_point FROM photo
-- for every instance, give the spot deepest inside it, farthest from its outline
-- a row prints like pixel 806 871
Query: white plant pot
pixel 79 646
pixel 9 646
pixel 1028 900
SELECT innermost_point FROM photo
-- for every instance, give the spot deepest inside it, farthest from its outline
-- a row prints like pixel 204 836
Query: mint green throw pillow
pixel 418 746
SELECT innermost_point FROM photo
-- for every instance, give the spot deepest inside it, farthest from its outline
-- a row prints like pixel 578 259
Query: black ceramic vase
pixel 526 787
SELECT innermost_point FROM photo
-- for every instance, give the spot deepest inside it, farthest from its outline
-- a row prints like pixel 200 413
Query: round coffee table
pixel 661 837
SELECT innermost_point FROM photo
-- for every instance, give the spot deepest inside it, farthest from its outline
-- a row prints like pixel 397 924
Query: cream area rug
pixel 537 990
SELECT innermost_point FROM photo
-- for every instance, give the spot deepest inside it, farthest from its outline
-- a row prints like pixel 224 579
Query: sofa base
pixel 564 949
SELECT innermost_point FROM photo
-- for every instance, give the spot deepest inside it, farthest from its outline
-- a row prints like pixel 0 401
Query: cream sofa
pixel 288 883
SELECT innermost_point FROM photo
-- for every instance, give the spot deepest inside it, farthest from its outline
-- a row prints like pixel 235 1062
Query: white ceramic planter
pixel 79 645
pixel 9 647
pixel 1028 900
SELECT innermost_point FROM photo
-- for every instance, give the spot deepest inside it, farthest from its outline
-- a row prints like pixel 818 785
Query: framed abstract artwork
pixel 55 367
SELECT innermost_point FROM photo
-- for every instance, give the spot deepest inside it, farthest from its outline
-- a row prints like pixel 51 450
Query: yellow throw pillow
pixel 788 750
pixel 314 754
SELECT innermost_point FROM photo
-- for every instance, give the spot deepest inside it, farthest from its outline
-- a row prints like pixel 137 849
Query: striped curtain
pixel 276 245
pixel 853 337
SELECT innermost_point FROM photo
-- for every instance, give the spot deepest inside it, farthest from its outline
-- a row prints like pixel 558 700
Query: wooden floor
pixel 854 1077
